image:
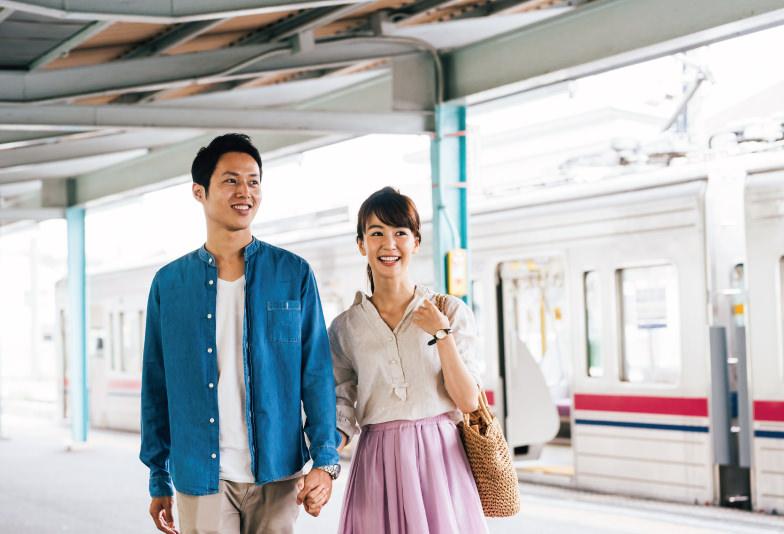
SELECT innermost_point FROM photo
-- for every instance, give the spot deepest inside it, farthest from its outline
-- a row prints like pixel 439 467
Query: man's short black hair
pixel 207 158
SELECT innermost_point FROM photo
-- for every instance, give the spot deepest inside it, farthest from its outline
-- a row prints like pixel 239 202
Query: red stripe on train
pixel 694 406
pixel 125 383
pixel 769 410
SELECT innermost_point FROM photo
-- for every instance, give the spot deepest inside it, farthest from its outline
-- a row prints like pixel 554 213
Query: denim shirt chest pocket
pixel 283 320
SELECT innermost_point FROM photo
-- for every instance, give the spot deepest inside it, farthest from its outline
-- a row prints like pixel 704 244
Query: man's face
pixel 234 192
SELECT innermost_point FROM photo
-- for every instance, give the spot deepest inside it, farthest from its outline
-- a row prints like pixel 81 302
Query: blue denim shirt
pixel 287 366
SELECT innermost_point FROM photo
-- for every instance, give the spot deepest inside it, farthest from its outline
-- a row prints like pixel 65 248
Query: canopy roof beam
pixel 160 72
pixel 158 12
pixel 92 29
pixel 69 118
pixel 176 36
pixel 30 214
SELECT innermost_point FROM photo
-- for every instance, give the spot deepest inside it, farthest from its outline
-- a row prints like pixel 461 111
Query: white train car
pixel 595 298
pixel 765 282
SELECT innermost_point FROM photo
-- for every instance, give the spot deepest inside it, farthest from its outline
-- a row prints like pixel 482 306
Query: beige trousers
pixel 240 508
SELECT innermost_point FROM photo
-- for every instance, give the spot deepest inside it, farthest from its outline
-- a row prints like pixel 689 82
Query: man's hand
pixel 316 491
pixel 161 512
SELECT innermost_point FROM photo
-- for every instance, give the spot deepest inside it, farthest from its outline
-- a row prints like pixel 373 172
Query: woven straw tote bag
pixel 488 455
pixel 490 460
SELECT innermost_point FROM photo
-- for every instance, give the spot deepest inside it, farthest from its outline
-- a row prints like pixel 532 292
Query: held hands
pixel 315 491
pixel 429 318
pixel 161 512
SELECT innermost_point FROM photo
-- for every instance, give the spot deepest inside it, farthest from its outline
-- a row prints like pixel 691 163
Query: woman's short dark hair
pixel 392 208
pixel 207 158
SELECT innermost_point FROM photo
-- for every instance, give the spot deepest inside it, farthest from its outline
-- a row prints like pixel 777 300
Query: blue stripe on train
pixel 651 426
pixel 768 434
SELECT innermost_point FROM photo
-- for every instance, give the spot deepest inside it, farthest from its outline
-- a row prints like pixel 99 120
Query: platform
pixel 103 488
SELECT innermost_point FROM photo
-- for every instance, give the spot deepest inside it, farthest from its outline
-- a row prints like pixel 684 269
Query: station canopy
pixel 104 97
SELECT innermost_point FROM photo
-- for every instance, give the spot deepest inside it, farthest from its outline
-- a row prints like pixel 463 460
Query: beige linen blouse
pixel 385 375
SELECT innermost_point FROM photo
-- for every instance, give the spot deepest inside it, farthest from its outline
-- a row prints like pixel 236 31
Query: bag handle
pixel 483 411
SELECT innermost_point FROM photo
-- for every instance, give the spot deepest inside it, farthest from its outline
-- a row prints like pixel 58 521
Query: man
pixel 235 345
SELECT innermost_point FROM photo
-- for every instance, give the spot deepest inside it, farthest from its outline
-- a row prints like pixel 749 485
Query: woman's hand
pixel 429 318
pixel 460 385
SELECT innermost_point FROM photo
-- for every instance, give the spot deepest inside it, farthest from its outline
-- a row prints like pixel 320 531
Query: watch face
pixel 440 334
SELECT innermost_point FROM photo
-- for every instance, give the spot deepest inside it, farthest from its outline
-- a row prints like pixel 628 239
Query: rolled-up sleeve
pixel 155 438
pixel 463 325
pixel 345 386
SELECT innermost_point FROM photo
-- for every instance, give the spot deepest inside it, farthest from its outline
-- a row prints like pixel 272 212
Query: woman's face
pixel 387 248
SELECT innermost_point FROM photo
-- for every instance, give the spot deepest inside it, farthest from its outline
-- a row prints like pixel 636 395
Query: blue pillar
pixel 77 322
pixel 450 200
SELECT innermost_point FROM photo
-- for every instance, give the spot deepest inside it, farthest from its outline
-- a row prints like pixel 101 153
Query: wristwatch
pixel 439 335
pixel 332 470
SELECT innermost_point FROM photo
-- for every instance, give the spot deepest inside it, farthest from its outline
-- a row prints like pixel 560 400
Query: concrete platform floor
pixel 102 487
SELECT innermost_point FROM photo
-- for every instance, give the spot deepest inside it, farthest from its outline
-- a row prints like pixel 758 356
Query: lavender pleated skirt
pixel 411 477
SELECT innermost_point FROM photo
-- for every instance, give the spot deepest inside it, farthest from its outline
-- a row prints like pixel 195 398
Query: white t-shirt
pixel 235 462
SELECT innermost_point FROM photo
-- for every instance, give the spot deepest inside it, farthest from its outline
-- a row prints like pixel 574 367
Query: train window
pixel 737 282
pixel 112 344
pixel 121 337
pixel 593 323
pixel 130 348
pixel 650 320
pixel 140 341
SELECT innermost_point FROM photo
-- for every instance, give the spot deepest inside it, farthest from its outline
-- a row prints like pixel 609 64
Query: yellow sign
pixel 457 272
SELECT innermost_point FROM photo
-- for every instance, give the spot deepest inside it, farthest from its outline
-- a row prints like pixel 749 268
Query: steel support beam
pixel 157 12
pixel 5 13
pixel 88 146
pixel 160 72
pixel 94 28
pixel 30 214
pixel 178 35
pixel 161 166
pixel 309 20
pixel 449 176
pixel 599 36
pixel 69 118
pixel 77 322
pixel 168 165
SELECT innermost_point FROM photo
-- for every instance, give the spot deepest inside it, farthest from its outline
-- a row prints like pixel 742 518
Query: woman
pixel 403 372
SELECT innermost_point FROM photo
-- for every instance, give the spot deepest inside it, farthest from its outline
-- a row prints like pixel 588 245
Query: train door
pixel 126 317
pixel 641 355
pixel 764 274
pixel 535 364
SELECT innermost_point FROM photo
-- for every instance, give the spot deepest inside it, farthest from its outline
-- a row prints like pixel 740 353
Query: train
pixel 631 329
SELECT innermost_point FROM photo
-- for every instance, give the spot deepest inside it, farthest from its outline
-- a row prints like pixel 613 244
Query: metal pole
pixel 77 318
pixel 720 399
pixel 744 402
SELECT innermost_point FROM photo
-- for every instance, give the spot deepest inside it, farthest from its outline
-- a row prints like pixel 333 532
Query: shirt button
pixel 212 420
pixel 210 385
pixel 209 350
pixel 213 455
pixel 211 282
pixel 209 316
pixel 209 260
